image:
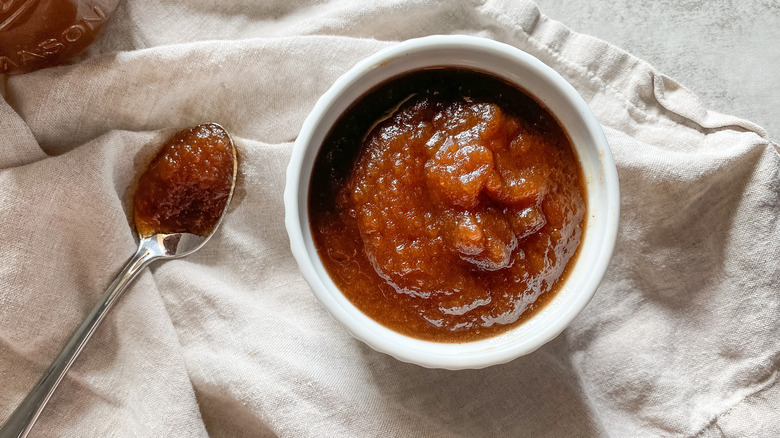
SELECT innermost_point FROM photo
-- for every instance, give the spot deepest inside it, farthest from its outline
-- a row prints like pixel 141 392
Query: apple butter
pixel 187 185
pixel 447 205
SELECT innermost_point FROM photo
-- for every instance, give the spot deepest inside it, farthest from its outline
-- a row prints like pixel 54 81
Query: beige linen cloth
pixel 682 338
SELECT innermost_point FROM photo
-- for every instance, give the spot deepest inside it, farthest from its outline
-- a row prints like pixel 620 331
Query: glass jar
pixel 42 33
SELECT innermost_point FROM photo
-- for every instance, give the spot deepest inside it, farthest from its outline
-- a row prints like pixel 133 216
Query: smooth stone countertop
pixel 725 51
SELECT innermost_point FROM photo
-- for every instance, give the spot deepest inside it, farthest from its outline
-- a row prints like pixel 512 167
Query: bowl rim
pixel 405 348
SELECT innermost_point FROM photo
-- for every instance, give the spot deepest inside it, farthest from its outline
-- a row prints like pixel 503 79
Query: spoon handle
pixel 23 418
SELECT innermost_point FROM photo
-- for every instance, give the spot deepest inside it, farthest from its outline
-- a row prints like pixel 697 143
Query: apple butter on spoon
pixel 186 187
pixel 179 203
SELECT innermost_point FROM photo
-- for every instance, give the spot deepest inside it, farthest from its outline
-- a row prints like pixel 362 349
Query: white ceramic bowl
pixel 549 88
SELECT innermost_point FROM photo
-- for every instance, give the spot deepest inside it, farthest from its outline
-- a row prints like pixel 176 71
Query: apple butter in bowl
pixel 452 201
pixel 452 217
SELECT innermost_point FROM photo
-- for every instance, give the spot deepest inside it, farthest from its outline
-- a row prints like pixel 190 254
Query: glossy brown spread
pixel 41 33
pixel 187 185
pixel 455 216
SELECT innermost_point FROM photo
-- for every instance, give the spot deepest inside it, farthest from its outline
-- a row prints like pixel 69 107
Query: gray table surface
pixel 725 51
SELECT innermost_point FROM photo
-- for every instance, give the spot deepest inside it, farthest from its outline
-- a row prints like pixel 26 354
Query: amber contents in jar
pixel 187 185
pixel 42 33
pixel 447 205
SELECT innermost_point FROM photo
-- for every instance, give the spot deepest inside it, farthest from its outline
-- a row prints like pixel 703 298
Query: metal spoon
pixel 155 247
